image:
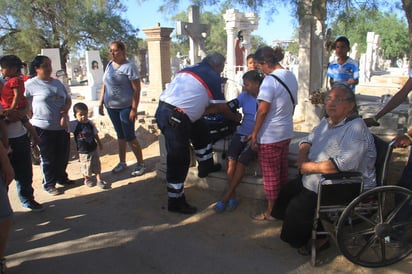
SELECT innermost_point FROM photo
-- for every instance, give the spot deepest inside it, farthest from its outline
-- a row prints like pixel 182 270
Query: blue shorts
pixel 122 125
pixel 5 208
pixel 241 151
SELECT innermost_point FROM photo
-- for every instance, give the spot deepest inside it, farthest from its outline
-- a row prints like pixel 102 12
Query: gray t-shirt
pixel 349 145
pixel 118 91
pixel 46 99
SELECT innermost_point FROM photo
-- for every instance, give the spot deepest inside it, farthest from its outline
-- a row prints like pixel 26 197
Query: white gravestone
pixel 94 75
pixel 54 55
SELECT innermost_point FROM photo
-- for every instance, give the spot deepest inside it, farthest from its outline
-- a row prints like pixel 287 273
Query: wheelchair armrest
pixel 341 175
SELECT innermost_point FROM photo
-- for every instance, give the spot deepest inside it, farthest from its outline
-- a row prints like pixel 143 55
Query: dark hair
pixel 11 61
pixel 79 107
pixel 36 63
pixel 254 75
pixel 344 40
pixel 120 45
pixel 250 56
pixel 269 55
pixel 214 59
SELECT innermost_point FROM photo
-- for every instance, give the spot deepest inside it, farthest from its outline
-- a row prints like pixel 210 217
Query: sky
pixel 145 15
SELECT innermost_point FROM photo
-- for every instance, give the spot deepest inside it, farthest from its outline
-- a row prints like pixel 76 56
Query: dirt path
pixel 128 230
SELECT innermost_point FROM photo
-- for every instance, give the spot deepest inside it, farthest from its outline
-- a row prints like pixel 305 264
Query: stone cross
pixel 196 32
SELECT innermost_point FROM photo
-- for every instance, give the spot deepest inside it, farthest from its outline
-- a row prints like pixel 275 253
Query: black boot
pixel 180 205
pixel 207 167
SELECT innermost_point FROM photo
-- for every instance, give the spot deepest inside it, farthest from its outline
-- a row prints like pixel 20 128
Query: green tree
pixel 26 26
pixel 217 39
pixel 320 8
pixel 357 23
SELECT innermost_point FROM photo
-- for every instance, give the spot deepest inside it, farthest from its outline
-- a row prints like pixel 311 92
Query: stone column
pixel 235 21
pixel 311 59
pixel 158 45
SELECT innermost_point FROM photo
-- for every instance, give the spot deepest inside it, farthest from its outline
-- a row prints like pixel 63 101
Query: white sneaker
pixel 120 166
pixel 138 170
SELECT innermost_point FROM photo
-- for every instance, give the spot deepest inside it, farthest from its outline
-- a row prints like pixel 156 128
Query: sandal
pixel 262 217
pixel 232 204
pixel 219 207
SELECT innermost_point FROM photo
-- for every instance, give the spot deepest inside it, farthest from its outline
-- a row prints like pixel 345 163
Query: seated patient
pixel 240 154
pixel 341 142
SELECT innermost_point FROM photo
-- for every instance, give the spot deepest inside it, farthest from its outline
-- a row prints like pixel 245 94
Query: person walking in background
pixel 239 153
pixel 344 69
pixel 273 128
pixel 194 91
pixel 121 95
pixel 6 212
pixel 87 140
pixel 49 102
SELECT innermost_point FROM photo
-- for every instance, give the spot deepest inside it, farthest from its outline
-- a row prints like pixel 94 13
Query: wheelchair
pixel 371 228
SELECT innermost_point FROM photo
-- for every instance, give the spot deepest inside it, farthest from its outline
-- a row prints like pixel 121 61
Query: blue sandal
pixel 232 204
pixel 219 207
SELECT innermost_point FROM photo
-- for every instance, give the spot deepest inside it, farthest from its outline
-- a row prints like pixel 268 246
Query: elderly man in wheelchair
pixel 340 149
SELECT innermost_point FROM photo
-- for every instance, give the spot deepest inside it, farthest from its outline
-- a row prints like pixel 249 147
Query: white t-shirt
pixel 278 124
pixel 187 93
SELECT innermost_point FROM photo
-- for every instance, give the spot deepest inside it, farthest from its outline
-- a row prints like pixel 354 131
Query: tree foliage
pixel 26 26
pixel 358 22
pixel 217 38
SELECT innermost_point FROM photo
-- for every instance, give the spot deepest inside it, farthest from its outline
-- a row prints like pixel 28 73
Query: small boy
pixel 343 70
pixel 87 139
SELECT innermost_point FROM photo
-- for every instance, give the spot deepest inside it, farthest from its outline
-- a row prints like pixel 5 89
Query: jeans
pixel 123 126
pixel 20 159
pixel 54 151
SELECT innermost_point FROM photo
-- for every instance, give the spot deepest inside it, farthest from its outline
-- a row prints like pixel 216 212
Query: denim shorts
pixel 5 208
pixel 122 125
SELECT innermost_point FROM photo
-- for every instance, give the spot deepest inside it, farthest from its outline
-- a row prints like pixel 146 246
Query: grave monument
pixel 94 68
pixel 196 32
pixel 158 45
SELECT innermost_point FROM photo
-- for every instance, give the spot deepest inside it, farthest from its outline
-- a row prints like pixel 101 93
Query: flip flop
pixel 232 204
pixel 263 217
pixel 219 207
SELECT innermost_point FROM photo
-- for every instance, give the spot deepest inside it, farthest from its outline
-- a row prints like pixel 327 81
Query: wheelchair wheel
pixel 375 229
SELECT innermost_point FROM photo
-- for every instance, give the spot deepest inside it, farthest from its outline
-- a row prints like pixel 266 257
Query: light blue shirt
pixel 248 103
pixel 349 145
pixel 47 99
pixel 342 73
pixel 118 91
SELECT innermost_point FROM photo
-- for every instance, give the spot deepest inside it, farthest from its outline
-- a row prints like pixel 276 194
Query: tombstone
pixel 94 69
pixel 247 22
pixel 54 55
pixel 371 56
pixel 196 32
pixel 158 45
pixel 354 52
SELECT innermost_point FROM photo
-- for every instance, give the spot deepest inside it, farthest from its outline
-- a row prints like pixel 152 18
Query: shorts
pixel 90 163
pixel 122 125
pixel 241 151
pixel 5 207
